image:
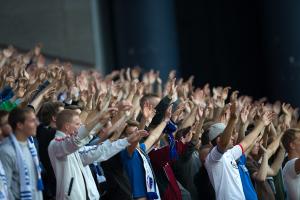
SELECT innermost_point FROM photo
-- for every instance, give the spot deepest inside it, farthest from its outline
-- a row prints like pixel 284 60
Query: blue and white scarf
pixel 3 184
pixel 25 186
pixel 151 185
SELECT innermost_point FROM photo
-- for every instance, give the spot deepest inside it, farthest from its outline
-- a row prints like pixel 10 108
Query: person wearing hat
pixel 221 163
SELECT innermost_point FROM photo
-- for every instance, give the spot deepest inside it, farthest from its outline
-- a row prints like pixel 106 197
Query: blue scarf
pixel 169 130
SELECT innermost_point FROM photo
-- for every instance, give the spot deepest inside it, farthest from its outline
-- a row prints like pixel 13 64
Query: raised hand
pixel 168 113
pixel 135 72
pixel 234 95
pixel 217 92
pixel 124 105
pixel 224 93
pixel 267 117
pixel 151 77
pixel 172 74
pixel 206 90
pixel 233 108
pixel 8 52
pixel 267 152
pixel 244 113
pixel 148 110
pixel 252 113
pixel 277 107
pixel 178 111
pixel 172 90
pixel 287 109
pixel 198 98
pixel 137 136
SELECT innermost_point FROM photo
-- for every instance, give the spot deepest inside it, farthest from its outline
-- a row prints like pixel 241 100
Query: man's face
pixel 130 130
pixel 29 125
pixel 5 127
pixel 296 143
pixel 72 127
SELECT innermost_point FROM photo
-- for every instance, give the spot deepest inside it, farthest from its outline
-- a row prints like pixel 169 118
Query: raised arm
pixel 156 133
pixel 251 137
pixel 61 147
pixel 226 135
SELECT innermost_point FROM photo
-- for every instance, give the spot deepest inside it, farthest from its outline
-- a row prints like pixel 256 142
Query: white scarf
pixel 151 185
pixel 25 185
pixel 3 184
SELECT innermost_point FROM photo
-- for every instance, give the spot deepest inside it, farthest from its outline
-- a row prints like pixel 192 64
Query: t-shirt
pixel 224 174
pixel 291 180
pixel 248 188
pixel 135 170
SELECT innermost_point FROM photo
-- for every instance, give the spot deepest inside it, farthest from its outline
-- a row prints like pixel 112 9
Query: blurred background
pixel 250 45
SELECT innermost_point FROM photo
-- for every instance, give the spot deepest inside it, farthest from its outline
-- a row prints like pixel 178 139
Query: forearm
pixel 189 121
pixel 242 131
pixel 250 138
pixel 142 124
pixel 226 135
pixel 263 169
pixel 155 134
pixel 37 103
pixel 196 137
pixel 217 113
pixel 277 162
pixel 275 144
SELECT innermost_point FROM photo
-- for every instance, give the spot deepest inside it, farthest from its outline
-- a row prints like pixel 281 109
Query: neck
pixel 293 155
pixel 20 136
pixel 52 124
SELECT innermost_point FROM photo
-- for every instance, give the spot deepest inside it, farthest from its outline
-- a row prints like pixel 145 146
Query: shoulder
pixel 7 147
pixel 7 151
pixel 289 167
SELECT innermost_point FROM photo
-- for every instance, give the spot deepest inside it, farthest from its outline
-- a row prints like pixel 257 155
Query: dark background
pixel 250 45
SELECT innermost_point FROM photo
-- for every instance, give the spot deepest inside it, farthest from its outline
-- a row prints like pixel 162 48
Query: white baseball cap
pixel 215 130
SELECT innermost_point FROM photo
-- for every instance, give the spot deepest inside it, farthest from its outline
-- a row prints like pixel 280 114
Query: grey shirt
pixel 8 159
pixel 185 169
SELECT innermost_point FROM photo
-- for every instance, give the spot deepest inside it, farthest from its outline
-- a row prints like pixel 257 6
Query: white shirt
pixel 291 180
pixel 224 174
pixel 70 159
pixel 32 171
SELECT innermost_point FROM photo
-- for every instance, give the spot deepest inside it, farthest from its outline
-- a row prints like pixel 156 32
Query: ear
pixel 53 118
pixel 19 125
pixel 292 146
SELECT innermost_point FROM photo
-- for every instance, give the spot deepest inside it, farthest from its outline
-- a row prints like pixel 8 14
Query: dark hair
pixel 3 113
pixel 147 97
pixel 214 141
pixel 73 107
pixel 288 137
pixel 205 137
pixel 18 115
pixel 65 116
pixel 49 110
pixel 182 133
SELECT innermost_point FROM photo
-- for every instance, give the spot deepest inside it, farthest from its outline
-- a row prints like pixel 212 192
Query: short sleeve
pixel 236 151
pixel 290 168
pixel 215 154
pixel 143 147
